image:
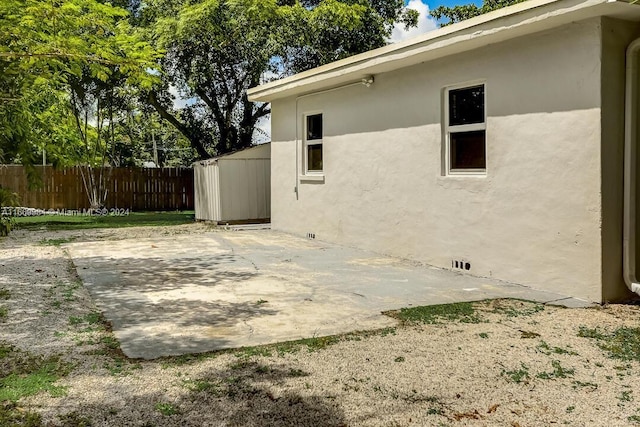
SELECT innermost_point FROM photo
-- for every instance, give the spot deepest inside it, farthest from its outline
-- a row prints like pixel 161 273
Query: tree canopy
pixel 217 49
pixel 461 12
pixel 46 44
pixel 77 76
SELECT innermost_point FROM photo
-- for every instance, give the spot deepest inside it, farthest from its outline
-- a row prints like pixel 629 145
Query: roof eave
pixel 513 21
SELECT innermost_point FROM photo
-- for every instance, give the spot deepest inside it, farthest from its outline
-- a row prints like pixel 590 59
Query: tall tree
pixel 466 11
pixel 217 49
pixel 44 44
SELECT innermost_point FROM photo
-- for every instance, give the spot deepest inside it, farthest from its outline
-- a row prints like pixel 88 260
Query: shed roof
pixel 259 151
pixel 514 21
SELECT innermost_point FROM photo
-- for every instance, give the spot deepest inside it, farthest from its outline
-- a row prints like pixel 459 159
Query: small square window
pixel 465 130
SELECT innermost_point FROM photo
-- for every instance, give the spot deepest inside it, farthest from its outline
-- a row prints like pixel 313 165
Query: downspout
pixel 365 81
pixel 630 168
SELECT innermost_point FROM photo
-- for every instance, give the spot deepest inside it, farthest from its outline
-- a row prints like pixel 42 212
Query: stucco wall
pixel 616 36
pixel 533 219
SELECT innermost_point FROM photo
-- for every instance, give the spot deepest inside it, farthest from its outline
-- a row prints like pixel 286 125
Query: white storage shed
pixel 235 187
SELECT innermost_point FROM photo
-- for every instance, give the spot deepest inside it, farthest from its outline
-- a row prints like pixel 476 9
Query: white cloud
pixel 425 23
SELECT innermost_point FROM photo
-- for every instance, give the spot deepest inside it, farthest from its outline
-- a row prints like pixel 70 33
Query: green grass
pixel 463 312
pixel 134 219
pixel 4 313
pixel 5 294
pixel 623 343
pixel 23 374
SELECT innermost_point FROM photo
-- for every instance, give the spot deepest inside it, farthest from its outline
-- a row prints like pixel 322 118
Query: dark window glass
pixel 314 157
pixel 314 127
pixel 468 150
pixel 466 106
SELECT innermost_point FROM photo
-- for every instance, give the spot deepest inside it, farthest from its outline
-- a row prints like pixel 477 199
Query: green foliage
pixel 460 13
pixel 44 45
pixel 463 312
pixel 217 49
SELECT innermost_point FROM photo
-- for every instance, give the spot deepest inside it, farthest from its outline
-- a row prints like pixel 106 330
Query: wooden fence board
pixel 138 189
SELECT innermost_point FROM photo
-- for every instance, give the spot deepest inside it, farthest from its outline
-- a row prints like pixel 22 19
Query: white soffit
pixel 514 21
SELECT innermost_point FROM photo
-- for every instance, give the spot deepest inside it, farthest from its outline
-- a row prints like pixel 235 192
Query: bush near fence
pixel 138 189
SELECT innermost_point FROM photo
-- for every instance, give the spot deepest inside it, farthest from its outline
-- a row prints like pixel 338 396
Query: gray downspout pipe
pixel 630 167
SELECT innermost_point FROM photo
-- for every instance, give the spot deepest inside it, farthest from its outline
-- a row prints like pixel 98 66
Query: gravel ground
pixel 523 364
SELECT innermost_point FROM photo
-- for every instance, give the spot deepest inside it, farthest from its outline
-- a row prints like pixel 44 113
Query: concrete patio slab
pixel 195 293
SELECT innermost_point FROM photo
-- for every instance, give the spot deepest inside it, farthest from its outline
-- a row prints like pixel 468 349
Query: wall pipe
pixel 365 81
pixel 630 167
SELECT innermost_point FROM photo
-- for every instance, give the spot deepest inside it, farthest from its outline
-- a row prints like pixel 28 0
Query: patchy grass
pixel 204 386
pixel 545 348
pixel 4 313
pixel 92 318
pixel 134 219
pixel 166 409
pixel 56 242
pixel 11 415
pixel 23 374
pixel 518 375
pixel 463 312
pixel 74 419
pixel 5 294
pixel 558 372
pixel 623 343
pixel 516 308
pixel 121 366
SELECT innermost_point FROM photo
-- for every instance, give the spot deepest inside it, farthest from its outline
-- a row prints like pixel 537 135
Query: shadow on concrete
pixel 165 306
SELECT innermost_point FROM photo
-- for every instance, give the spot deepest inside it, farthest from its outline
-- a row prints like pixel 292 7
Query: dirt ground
pixel 506 362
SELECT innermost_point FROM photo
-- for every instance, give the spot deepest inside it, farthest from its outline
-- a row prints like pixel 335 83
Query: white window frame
pixel 306 143
pixel 448 130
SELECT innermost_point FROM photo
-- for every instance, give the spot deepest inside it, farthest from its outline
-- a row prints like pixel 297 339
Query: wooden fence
pixel 138 189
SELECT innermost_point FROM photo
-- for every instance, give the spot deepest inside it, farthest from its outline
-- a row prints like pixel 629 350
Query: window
pixel 313 144
pixel 465 129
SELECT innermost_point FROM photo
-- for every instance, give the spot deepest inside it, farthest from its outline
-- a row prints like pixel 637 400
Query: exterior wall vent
pixel 458 264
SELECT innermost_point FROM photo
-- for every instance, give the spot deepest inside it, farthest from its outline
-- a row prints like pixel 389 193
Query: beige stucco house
pixel 495 147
